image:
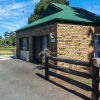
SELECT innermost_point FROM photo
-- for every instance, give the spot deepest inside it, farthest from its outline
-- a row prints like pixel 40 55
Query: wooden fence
pixel 94 76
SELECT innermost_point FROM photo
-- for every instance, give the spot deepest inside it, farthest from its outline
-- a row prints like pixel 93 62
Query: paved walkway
pixel 5 57
pixel 19 80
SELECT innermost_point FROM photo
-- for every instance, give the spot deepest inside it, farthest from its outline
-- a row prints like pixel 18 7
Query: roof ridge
pixel 53 4
pixel 58 3
pixel 87 11
pixel 74 7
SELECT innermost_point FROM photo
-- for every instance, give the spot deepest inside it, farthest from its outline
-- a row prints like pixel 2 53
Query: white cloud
pixel 14 9
pixel 2 0
pixel 13 26
pixel 35 1
pixel 1 18
pixel 94 9
pixel 17 5
pixel 9 27
pixel 13 12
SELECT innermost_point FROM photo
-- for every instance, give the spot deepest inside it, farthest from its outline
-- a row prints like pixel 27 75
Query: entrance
pixel 40 44
pixel 97 46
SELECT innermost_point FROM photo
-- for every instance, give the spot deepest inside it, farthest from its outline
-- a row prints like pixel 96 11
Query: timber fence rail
pixel 94 76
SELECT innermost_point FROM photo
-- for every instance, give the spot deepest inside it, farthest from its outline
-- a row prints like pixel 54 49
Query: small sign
pixel 52 40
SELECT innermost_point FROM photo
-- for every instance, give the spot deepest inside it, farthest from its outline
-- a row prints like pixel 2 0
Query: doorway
pixel 97 45
pixel 40 44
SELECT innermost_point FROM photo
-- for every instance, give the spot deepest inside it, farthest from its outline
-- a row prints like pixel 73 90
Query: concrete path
pixel 19 80
pixel 5 57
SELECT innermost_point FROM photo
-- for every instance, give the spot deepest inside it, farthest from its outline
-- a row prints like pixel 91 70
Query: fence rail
pixel 67 70
pixel 94 76
pixel 70 61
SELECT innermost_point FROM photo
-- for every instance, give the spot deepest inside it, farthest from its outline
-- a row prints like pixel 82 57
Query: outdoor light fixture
pixel 51 36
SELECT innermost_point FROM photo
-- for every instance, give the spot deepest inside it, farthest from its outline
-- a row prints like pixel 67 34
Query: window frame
pixel 96 55
pixel 21 44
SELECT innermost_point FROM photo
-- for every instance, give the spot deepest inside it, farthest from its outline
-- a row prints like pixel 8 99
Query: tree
pixel 6 34
pixel 0 37
pixel 0 40
pixel 9 40
pixel 33 18
pixel 13 38
pixel 41 7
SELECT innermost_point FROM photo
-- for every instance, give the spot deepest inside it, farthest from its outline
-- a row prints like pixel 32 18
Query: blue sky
pixel 12 18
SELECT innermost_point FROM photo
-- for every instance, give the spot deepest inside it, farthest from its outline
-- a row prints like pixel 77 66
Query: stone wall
pixel 38 31
pixel 75 42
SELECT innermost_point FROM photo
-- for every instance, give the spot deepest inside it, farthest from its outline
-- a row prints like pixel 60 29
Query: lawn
pixel 83 80
pixel 7 50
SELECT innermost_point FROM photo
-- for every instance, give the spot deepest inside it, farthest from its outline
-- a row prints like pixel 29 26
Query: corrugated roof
pixel 65 13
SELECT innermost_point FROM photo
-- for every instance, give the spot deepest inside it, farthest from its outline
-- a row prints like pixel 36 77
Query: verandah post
pixel 95 83
pixel 46 68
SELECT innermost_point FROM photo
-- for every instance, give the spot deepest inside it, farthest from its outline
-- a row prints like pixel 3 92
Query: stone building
pixel 68 32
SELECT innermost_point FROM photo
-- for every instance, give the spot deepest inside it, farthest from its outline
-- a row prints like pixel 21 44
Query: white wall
pixel 24 55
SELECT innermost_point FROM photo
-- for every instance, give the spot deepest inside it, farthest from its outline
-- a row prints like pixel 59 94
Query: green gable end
pixel 51 10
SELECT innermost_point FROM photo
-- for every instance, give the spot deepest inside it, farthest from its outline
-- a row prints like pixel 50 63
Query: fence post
pixel 95 83
pixel 46 68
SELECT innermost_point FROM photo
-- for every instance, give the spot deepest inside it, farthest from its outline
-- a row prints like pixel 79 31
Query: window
pixel 24 44
pixel 97 46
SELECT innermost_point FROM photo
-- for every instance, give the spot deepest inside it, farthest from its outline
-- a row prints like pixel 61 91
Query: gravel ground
pixel 19 81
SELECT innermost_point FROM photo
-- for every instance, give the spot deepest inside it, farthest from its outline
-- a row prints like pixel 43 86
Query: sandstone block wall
pixel 75 42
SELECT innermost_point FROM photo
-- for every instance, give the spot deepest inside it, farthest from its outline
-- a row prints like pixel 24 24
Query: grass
pixel 83 80
pixel 7 50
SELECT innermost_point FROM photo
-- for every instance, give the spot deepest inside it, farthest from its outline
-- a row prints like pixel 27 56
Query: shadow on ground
pixel 39 67
pixel 67 89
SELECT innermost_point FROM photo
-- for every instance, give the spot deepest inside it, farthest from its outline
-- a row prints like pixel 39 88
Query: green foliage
pixel 9 40
pixel 0 38
pixel 6 34
pixel 33 18
pixel 41 7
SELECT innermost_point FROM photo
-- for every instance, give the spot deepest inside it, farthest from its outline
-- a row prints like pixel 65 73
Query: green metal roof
pixel 65 13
